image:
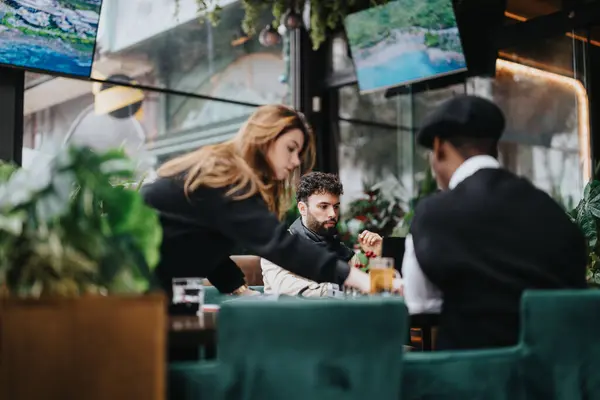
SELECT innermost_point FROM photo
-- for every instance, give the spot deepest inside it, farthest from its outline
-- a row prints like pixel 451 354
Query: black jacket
pixel 331 243
pixel 485 242
pixel 199 234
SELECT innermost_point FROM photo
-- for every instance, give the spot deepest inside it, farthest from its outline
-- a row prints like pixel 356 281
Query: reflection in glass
pixel 547 133
pixel 341 60
pixel 376 143
pixel 371 107
pixel 147 41
pixel 67 110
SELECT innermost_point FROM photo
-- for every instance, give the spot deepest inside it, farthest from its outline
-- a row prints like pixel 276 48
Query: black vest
pixel 331 243
pixel 485 242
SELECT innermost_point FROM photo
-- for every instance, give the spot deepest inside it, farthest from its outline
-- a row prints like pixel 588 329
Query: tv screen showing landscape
pixel 49 35
pixel 403 42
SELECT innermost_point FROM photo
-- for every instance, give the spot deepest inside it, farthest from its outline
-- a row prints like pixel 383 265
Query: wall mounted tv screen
pixel 55 36
pixel 403 42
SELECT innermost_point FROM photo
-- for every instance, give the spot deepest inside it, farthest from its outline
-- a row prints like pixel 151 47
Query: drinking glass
pixel 382 273
pixel 188 293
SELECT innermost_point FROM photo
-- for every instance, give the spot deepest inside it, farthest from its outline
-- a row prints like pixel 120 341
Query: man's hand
pixel 370 241
pixel 251 292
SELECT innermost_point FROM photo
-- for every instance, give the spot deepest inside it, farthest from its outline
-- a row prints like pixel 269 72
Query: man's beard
pixel 319 227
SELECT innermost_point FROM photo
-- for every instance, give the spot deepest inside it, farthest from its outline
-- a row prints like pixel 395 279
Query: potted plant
pixel 586 215
pixel 324 15
pixel 76 253
pixel 379 210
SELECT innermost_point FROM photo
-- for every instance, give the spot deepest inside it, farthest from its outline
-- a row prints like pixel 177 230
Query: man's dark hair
pixel 318 183
pixel 469 147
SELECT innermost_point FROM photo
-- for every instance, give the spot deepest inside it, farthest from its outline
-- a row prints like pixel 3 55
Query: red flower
pixel 361 218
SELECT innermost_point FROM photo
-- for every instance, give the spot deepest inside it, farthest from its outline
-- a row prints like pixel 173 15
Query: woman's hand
pixel 244 290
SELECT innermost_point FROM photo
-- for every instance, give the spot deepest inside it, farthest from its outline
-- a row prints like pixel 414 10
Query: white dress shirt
pixel 420 295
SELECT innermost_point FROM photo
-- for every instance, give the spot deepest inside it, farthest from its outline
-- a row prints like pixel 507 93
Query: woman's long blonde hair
pixel 242 163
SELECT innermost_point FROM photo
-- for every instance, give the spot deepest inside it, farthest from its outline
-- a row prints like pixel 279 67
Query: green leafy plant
pixel 6 170
pixel 69 227
pixel 587 216
pixel 379 211
pixel 427 186
pixel 324 15
pixel 292 214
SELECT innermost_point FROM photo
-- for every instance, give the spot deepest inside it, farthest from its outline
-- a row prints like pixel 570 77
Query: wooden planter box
pixel 83 348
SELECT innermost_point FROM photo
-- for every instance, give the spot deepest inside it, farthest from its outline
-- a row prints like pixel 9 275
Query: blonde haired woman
pixel 231 194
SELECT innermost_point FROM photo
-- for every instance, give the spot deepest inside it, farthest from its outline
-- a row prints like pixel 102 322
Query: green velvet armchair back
pixel 561 332
pixel 332 349
pixel 314 349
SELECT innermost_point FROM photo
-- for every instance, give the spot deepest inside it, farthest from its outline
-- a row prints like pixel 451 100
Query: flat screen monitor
pixel 403 42
pixel 56 36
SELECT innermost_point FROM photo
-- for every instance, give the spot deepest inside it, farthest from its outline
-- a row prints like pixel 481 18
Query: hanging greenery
pixel 324 14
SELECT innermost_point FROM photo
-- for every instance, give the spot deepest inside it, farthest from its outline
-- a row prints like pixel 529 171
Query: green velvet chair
pixel 313 349
pixel 460 375
pixel 267 350
pixel 558 357
pixel 561 330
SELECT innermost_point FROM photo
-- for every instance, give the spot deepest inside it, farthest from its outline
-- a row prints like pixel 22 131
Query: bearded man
pixel 318 199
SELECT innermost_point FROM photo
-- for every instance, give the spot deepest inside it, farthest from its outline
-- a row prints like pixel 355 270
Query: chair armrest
pixel 474 374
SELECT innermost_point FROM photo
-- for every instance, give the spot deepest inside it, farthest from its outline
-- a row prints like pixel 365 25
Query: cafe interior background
pixel 165 81
pixel 198 82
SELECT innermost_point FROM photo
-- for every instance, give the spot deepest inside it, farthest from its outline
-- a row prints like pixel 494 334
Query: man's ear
pixel 302 207
pixel 438 149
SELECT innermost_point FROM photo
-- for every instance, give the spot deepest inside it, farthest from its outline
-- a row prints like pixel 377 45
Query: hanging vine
pixel 325 15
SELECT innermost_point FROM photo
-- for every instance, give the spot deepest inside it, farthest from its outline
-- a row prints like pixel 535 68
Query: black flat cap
pixel 464 115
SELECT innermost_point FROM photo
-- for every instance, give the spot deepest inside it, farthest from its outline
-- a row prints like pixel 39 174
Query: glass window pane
pixel 547 133
pixel 61 109
pixel 376 143
pixel 341 60
pixel 371 107
pixel 148 41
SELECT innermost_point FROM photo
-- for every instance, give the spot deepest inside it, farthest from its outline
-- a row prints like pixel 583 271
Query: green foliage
pixel 7 170
pixel 291 215
pixel 427 186
pixel 67 228
pixel 432 40
pixel 587 215
pixel 380 212
pixel 433 15
pixel 324 15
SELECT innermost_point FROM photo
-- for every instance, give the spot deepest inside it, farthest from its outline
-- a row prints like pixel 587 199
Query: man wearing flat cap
pixel 474 247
